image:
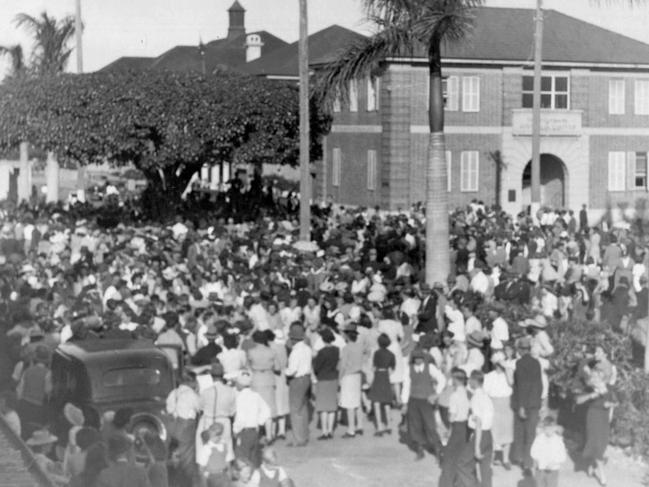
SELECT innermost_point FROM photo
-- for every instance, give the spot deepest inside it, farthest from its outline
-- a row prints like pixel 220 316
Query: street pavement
pixel 368 461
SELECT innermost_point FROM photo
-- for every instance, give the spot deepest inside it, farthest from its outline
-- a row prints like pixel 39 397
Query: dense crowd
pixel 278 335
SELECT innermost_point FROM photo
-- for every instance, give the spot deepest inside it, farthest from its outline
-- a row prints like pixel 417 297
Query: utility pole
pixel 305 173
pixel 78 35
pixel 536 111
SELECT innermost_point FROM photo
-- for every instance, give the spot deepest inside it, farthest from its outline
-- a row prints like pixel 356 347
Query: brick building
pixel 595 120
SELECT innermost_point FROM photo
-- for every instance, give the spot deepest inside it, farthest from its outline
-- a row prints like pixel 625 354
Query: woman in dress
pixel 498 386
pixel 381 393
pixel 325 370
pixel 394 330
pixel 278 346
pixel 351 364
pixel 263 364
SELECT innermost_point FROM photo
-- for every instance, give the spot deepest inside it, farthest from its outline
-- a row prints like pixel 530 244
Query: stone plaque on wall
pixel 566 123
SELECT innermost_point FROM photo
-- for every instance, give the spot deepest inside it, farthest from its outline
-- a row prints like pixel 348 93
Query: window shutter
pixel 452 93
pixel 353 96
pixel 642 97
pixel 616 171
pixel 336 162
pixel 471 94
pixel 449 171
pixel 616 98
pixel 371 170
pixel 469 168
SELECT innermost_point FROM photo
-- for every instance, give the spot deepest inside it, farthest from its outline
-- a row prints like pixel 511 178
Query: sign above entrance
pixel 564 123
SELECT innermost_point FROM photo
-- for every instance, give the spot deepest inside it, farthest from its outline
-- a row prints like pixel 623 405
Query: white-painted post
pixel 24 177
pixel 52 178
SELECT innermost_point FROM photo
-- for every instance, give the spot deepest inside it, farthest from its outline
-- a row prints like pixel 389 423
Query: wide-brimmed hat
pixel 538 321
pixel 418 353
pixel 73 414
pixel 497 306
pixel 476 339
pixel 41 437
pixel 350 328
pixel 211 331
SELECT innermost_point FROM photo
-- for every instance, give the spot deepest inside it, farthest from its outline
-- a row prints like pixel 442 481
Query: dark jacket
pixel 428 315
pixel 528 386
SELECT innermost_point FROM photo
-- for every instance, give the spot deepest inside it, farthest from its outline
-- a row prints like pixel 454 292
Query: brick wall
pixel 599 149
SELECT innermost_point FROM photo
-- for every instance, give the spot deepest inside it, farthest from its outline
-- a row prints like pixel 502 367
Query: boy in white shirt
pixel 548 452
pixel 214 456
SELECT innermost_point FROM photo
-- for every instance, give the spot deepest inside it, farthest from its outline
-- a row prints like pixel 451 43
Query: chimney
pixel 253 47
pixel 237 25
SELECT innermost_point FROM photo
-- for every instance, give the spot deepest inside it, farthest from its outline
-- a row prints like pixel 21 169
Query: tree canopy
pixel 167 124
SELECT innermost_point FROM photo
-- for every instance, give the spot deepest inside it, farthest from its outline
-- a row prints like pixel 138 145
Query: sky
pixel 115 28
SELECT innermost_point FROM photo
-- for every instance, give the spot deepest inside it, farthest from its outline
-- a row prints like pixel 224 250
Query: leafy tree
pixel 404 26
pixel 166 124
pixel 51 36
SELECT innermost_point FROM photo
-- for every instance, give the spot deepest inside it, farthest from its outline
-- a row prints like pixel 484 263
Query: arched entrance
pixel 553 182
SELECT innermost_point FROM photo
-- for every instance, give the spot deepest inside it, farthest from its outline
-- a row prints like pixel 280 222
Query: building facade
pixel 594 121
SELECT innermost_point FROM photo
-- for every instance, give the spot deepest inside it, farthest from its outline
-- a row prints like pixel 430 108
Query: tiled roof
pixel 508 34
pixel 128 63
pixel 324 45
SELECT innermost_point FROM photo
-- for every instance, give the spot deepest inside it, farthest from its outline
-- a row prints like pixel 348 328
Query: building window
pixel 336 163
pixel 616 171
pixel 337 105
pixel 640 178
pixel 451 88
pixel 471 94
pixel 616 97
pixel 554 92
pixel 353 96
pixel 449 172
pixel 371 170
pixel 642 97
pixel 469 171
pixel 372 94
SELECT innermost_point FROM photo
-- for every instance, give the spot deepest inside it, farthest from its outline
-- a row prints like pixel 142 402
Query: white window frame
pixel 353 96
pixel 372 94
pixel 616 96
pixel 641 96
pixel 337 105
pixel 336 166
pixel 469 171
pixel 449 171
pixel 643 174
pixel 371 170
pixel 617 171
pixel 553 90
pixel 471 93
pixel 452 93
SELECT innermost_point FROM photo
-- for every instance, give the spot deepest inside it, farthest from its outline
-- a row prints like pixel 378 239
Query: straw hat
pixel 73 414
pixel 41 437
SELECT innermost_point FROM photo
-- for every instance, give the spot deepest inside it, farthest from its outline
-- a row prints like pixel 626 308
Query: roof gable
pixel 128 63
pixel 324 45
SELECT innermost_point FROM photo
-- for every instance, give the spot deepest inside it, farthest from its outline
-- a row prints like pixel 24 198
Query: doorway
pixel 553 182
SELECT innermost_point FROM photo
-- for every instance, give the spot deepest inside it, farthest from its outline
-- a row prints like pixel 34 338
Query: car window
pixel 127 377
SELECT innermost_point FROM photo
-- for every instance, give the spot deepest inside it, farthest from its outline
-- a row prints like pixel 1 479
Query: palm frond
pixel 360 60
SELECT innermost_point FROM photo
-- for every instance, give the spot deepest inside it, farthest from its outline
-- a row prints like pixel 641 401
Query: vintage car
pixel 100 375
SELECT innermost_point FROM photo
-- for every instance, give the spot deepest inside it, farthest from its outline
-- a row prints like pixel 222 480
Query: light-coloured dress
pixel 262 363
pixel 281 387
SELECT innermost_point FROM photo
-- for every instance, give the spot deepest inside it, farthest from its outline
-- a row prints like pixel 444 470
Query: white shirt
pixel 474 361
pixel 183 402
pixel 204 452
pixel 480 283
pixel 456 323
pixel 496 384
pixel 458 406
pixel 299 361
pixel 435 373
pixel 472 324
pixel 259 317
pixel 233 361
pixel 482 408
pixel 499 333
pixel 549 452
pixel 251 410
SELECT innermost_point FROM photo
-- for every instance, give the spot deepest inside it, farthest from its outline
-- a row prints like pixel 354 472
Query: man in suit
pixel 526 403
pixel 427 316
pixel 583 218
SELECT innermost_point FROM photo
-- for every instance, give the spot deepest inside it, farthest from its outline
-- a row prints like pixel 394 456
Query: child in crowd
pixel 269 473
pixel 214 457
pixel 548 452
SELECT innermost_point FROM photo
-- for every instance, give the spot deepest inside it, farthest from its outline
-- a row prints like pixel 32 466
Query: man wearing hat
pixel 299 375
pixel 207 354
pixel 34 387
pixel 183 405
pixel 428 312
pixel 121 472
pixel 423 383
pixel 251 413
pixel 526 403
pixel 217 403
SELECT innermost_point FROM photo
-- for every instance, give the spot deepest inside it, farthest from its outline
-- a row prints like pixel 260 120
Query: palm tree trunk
pixel 437 224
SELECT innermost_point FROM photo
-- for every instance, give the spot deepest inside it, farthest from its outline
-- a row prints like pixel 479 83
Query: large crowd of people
pixel 279 336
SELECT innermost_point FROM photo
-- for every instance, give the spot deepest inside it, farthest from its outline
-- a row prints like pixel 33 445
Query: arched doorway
pixel 553 182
